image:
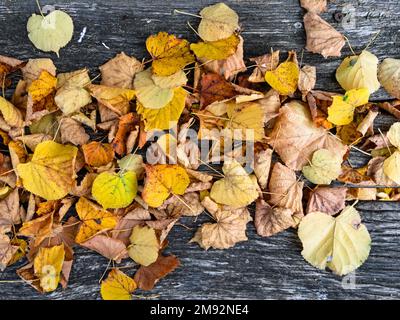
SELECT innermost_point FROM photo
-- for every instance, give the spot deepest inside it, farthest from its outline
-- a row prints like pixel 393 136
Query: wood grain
pixel 261 268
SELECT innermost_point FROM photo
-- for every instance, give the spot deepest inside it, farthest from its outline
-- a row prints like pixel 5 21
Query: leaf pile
pixel 71 173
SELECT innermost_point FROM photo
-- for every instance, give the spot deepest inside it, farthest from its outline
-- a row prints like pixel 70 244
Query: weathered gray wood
pixel 260 268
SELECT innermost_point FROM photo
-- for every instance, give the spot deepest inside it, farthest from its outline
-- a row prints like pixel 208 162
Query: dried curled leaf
pixel 342 244
pixel 322 37
pixel 315 6
pixel 50 173
pixel 358 72
pixel 117 286
pixel 326 199
pixel 10 113
pixel 169 53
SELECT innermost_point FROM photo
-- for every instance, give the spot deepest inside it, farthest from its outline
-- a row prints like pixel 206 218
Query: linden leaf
pixel 7 251
pixel 147 277
pixel 52 32
pixel 229 229
pixel 169 53
pixel 71 95
pixel 327 199
pixel 98 154
pixel 270 221
pixel 342 244
pixel 216 50
pixel 10 113
pixel 144 245
pixel 295 137
pixel 47 265
pixel 149 94
pixel 284 79
pixel 164 118
pixel 175 80
pixel 315 6
pixel 116 99
pixel 120 71
pixel 236 189
pixel 391 166
pixel 322 37
pixel 325 167
pixel 132 162
pixel 389 76
pixel 114 190
pixel 50 173
pixel 358 72
pixel 163 180
pixel 341 112
pixel 94 220
pixel 393 135
pixel 214 87
pixel 110 248
pixel 117 286
pixel 218 22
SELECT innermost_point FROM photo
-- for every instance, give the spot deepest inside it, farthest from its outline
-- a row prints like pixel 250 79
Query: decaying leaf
pixel 266 62
pixel 117 286
pixel 98 154
pixel 315 6
pixel 328 200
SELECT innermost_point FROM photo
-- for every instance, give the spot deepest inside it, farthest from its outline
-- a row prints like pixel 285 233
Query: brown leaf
pixel 229 227
pixel 187 205
pixel 295 137
pixel 363 194
pixel 38 229
pixel 375 171
pixel 32 140
pixel 314 6
pixel 7 174
pixel 229 67
pixel 147 277
pixel 27 273
pixel 72 131
pixel 392 107
pixel 8 65
pixel 125 125
pixel 307 79
pixel 97 154
pixel 322 37
pixel 262 165
pixel 10 211
pixel 112 249
pixel 85 187
pixel 120 71
pixel 270 221
pixel 266 62
pixel 286 190
pixel 214 87
pixel 32 70
pixel 326 199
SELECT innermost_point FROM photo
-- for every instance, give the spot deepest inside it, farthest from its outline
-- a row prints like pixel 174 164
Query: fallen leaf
pixel 326 199
pixel 356 72
pixel 264 63
pixel 11 114
pixel 315 6
pixel 214 87
pixel 10 211
pixel 389 76
pixel 144 245
pixel 342 244
pixel 94 220
pixel 262 165
pixel 218 22
pixel 270 221
pixel 115 190
pixel 307 79
pixel 236 189
pixel 285 77
pixel 7 251
pixel 322 37
pixel 169 53
pixel 51 32
pixel 97 154
pixel 175 80
pixel 120 71
pixel 112 249
pixel 34 67
pixel 147 277
pixel 216 50
pixel 391 166
pixel 50 173
pixel 125 125
pixel 72 131
pixel 163 180
pixel 295 137
pixel 117 286
pixel 132 162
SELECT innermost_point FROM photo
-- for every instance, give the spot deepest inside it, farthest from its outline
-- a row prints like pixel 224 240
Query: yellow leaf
pixel 42 87
pixel 94 220
pixel 218 22
pixel 341 112
pixel 216 50
pixel 48 265
pixel 10 113
pixel 357 72
pixel 144 245
pixel 114 190
pixel 71 95
pixel 169 53
pixel 175 80
pixel 394 134
pixel 50 174
pixel 284 79
pixel 149 94
pixel 163 180
pixel 52 32
pixel 325 167
pixel 98 154
pixel 236 189
pixel 342 244
pixel 117 286
pixel 166 117
pixel 391 167
pixel 116 99
pixel 389 76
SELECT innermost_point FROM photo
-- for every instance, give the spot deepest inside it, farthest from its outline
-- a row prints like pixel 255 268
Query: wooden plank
pixel 260 268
